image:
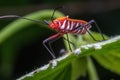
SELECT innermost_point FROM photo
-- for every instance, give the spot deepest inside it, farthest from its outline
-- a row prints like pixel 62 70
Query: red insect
pixel 63 25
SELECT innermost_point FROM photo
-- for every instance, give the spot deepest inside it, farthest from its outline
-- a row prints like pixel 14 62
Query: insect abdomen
pixel 73 26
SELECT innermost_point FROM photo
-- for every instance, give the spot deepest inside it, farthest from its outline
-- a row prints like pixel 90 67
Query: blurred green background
pixel 26 52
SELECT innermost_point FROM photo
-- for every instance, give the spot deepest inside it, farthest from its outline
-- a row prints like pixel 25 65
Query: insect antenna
pixel 45 21
pixel 17 16
pixel 55 11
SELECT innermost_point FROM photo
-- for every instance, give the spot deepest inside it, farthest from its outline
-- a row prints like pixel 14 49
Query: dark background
pixel 105 12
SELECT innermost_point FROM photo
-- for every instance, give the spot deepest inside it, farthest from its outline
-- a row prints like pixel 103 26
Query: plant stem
pixel 91 70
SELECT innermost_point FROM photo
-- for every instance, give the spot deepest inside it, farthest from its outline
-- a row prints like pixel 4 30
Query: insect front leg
pixel 49 41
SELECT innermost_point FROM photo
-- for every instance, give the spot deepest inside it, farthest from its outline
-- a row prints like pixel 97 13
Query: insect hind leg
pixel 98 28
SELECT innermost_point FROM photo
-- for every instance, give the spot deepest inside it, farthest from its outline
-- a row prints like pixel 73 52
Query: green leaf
pixel 20 24
pixel 110 59
pixel 66 60
pixel 79 68
pixel 80 64
pixel 64 73
pixel 91 70
pixel 19 33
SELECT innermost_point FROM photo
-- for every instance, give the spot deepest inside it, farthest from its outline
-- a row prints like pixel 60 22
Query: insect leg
pixel 91 35
pixel 49 41
pixel 84 26
pixel 89 23
pixel 69 42
pixel 98 28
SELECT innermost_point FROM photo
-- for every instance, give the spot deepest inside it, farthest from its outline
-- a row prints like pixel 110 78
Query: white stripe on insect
pixel 59 23
pixel 77 25
pixel 80 28
pixel 72 24
pixel 68 25
pixel 63 25
pixel 75 28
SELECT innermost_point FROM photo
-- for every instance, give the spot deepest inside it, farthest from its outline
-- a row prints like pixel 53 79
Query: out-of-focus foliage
pixel 19 33
pixel 72 67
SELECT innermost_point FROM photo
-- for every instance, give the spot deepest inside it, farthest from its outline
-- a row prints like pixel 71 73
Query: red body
pixel 66 25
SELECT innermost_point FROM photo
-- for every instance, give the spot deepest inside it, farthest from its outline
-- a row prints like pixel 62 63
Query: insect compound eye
pixel 57 22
